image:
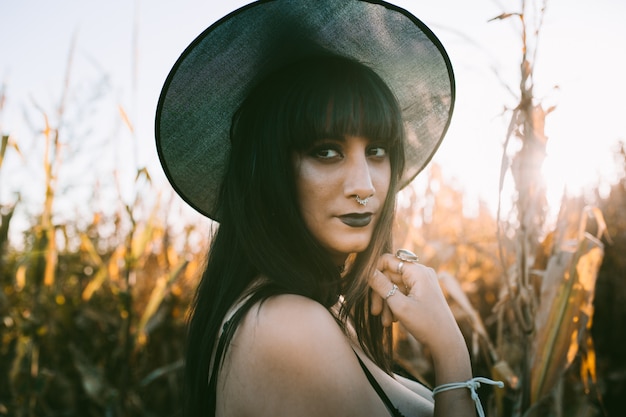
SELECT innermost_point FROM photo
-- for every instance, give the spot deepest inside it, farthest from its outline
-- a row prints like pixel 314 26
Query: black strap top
pixel 379 390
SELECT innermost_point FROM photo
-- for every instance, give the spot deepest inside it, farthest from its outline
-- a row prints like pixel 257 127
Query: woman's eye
pixel 326 153
pixel 377 151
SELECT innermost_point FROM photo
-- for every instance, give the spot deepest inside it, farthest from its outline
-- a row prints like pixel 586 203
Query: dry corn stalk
pixel 566 308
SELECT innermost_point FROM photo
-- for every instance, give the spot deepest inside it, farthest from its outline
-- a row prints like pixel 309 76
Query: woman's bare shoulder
pixel 291 328
pixel 290 356
pixel 287 315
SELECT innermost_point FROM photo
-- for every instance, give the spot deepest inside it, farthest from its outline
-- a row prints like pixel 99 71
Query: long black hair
pixel 262 233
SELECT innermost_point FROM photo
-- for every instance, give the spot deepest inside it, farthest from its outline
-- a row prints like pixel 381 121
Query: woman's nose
pixel 358 181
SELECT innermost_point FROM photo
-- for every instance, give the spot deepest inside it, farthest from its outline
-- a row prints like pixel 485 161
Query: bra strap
pixel 219 352
pixel 381 393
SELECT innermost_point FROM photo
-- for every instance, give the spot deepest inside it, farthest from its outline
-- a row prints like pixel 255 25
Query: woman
pixel 293 311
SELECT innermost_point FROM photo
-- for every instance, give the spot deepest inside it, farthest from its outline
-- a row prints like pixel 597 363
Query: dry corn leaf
pixel 20 278
pixel 3 147
pixel 142 241
pixel 588 362
pixel 51 257
pixel 156 297
pixel 458 295
pixel 104 271
pixel 5 221
pixel 125 118
pixel 87 248
pixel 565 309
pixel 96 282
pixel 159 372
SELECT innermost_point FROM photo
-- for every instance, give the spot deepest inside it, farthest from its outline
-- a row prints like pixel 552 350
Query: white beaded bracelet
pixel 473 384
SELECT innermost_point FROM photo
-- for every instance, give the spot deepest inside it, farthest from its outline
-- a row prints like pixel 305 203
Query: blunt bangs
pixel 333 97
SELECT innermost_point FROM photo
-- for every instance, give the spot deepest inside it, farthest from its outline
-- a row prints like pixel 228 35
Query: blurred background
pixel 522 211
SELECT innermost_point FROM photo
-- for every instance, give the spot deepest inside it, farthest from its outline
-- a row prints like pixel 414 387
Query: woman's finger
pixel 393 267
pixel 376 304
pixel 377 300
pixel 381 285
pixel 387 317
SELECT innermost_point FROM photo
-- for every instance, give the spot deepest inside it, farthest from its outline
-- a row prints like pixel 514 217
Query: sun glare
pixel 575 168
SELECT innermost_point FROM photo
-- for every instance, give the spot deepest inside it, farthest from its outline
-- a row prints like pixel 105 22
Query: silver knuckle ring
pixel 392 291
pixel 400 266
pixel 407 256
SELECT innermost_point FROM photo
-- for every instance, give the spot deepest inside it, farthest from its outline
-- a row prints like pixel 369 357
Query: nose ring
pixel 362 201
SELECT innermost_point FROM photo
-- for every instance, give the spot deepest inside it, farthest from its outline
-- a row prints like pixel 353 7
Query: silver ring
pixel 400 266
pixel 392 291
pixel 407 256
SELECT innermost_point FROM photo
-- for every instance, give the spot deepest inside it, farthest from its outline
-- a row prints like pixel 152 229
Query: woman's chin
pixel 342 251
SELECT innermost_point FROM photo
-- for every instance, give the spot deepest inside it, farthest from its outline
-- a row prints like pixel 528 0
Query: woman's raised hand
pixel 417 302
pixel 409 292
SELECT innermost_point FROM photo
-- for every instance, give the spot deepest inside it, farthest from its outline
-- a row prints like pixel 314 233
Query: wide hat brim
pixel 214 74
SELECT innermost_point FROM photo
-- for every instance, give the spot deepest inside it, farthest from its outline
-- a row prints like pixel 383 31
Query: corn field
pixel 92 309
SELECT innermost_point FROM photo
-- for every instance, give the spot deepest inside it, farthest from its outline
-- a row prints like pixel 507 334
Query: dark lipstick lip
pixel 356 219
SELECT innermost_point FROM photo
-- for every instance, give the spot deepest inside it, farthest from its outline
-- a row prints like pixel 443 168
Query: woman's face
pixel 329 177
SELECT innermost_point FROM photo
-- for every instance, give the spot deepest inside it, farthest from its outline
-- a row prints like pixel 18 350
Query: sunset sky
pixel 124 50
